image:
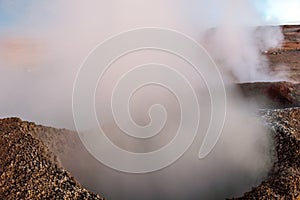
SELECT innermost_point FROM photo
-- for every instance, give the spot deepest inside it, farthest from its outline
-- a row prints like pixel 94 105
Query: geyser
pixel 41 90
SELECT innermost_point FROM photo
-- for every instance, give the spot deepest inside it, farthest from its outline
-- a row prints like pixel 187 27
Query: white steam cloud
pixel 237 43
pixel 41 54
pixel 42 50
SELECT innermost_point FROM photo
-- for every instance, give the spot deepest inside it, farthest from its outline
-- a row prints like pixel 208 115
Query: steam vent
pixel 34 161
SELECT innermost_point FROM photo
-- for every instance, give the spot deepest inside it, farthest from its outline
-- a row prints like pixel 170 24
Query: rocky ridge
pixel 29 170
pixel 284 180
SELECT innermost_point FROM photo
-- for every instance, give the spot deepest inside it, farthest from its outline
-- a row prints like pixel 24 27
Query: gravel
pixel 284 179
pixel 29 170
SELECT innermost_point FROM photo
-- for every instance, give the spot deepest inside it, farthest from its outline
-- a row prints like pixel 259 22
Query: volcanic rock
pixel 279 102
pixel 272 94
pixel 29 170
pixel 284 179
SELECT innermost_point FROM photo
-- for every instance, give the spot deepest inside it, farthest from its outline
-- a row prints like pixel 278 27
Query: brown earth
pixel 286 59
pixel 33 171
pixel 272 94
pixel 284 179
pixel 29 169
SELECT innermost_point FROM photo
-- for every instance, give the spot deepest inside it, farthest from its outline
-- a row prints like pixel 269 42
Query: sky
pixel 12 12
pixel 286 11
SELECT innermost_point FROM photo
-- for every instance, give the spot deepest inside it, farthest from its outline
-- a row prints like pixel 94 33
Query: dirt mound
pixel 29 170
pixel 284 179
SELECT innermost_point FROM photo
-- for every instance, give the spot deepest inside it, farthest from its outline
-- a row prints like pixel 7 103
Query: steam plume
pixel 42 53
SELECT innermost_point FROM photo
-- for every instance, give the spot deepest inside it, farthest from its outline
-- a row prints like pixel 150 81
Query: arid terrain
pixel 29 166
pixel 33 158
pixel 286 59
pixel 280 103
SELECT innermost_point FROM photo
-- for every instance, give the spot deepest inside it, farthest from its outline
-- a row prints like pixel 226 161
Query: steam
pixel 42 51
pixel 237 43
pixel 41 54
pixel 240 160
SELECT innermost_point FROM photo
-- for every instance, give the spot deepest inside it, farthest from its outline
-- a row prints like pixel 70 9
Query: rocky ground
pixel 33 171
pixel 29 170
pixel 284 179
pixel 280 102
pixel 286 59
